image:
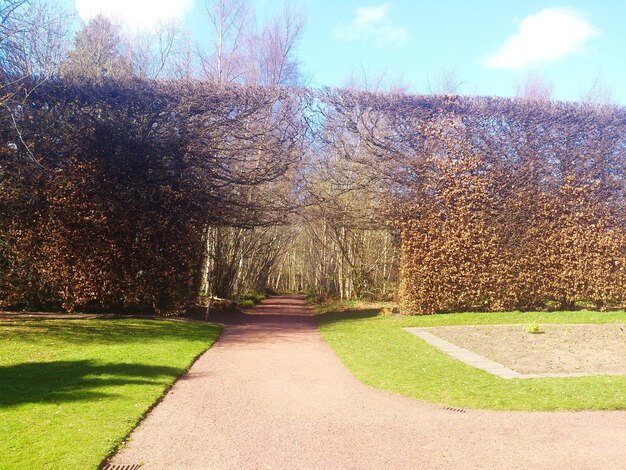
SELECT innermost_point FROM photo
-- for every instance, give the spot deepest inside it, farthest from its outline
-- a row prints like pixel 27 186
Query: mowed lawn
pixel 71 390
pixel 380 353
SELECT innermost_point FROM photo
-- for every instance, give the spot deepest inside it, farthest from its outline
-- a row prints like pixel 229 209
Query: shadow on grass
pixel 104 331
pixel 67 381
pixel 353 314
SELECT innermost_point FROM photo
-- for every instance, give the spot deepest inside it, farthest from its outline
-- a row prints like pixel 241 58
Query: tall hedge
pixel 501 204
pixel 107 190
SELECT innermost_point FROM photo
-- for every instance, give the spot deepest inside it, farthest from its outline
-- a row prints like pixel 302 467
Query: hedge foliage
pixel 501 204
pixel 106 190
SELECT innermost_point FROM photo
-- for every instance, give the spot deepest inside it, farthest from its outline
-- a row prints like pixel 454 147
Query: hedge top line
pixel 205 93
pixel 107 189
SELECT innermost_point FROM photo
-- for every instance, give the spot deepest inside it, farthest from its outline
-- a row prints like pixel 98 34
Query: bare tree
pixel 33 40
pixel 10 26
pixel 446 82
pixel 363 80
pixel 598 93
pixel 271 52
pixel 33 37
pixel 153 53
pixel 183 63
pixel 534 87
pixel 242 252
pixel 230 21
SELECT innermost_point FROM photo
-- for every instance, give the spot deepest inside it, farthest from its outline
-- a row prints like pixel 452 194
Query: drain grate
pixel 110 466
pixel 452 408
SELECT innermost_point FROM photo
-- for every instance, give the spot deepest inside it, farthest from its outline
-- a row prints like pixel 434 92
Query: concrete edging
pixel 476 360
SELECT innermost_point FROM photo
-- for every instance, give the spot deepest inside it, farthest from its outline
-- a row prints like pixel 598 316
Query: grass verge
pixel 71 390
pixel 380 353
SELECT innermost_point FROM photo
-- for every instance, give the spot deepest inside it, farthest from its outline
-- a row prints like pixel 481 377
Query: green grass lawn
pixel 71 390
pixel 380 353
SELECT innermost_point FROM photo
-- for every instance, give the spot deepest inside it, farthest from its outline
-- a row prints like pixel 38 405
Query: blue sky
pixel 491 45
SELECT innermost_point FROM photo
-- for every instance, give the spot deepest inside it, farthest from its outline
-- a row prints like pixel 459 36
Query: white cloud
pixel 549 35
pixel 140 14
pixel 374 24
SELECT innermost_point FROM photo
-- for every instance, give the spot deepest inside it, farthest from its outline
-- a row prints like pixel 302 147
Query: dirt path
pixel 272 395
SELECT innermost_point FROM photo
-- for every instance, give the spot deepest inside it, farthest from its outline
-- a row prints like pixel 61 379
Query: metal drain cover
pixel 109 466
pixel 452 408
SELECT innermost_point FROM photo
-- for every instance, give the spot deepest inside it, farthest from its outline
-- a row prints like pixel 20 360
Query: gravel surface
pixel 592 349
pixel 272 395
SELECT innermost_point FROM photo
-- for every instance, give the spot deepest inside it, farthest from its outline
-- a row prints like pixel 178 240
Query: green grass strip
pixel 71 390
pixel 380 353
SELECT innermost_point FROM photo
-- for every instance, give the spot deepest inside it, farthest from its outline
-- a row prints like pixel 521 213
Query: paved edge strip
pixel 480 362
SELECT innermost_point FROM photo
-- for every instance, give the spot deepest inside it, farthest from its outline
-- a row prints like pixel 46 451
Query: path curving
pixel 271 394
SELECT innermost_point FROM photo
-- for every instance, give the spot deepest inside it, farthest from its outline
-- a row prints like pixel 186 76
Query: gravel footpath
pixel 271 394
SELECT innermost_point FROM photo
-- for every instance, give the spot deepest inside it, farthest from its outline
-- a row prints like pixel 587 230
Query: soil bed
pixel 589 349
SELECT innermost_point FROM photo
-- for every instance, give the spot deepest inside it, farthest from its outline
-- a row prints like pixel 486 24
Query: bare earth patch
pixel 577 349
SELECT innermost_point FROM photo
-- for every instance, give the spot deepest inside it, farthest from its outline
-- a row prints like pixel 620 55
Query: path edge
pixel 106 461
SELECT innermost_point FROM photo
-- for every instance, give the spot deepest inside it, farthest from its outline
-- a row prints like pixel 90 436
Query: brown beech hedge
pixel 106 190
pixel 500 204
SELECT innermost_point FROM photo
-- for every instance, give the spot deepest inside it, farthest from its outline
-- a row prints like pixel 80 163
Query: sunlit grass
pixel 71 390
pixel 380 353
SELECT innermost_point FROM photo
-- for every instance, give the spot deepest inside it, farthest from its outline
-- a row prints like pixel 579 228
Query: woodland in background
pixel 139 174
